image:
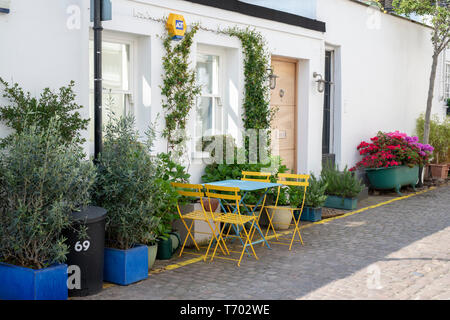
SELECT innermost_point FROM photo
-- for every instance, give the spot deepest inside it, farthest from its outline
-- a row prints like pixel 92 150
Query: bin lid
pixel 89 214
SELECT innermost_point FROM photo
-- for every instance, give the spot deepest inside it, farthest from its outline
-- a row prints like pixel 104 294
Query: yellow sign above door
pixel 176 25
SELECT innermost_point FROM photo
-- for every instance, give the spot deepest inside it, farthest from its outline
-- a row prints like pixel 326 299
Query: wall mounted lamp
pixel 320 82
pixel 4 6
pixel 272 78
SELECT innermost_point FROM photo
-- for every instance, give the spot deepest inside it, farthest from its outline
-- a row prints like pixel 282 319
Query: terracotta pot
pixel 439 171
pixel 214 204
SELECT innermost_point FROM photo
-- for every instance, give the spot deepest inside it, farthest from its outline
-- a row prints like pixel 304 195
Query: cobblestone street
pixel 400 250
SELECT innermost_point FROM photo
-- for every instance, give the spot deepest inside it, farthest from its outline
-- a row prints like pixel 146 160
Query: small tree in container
pixel 42 180
pixel 141 205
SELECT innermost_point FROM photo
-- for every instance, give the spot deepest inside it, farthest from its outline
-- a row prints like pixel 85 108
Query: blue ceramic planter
pixel 19 283
pixel 126 266
pixel 341 203
pixel 311 214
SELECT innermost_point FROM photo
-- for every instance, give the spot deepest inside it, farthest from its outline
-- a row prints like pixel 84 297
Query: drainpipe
pixel 98 88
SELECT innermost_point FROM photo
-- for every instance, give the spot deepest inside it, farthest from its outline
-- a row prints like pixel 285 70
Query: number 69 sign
pixel 82 246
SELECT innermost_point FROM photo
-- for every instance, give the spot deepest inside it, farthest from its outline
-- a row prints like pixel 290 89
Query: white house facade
pixel 377 66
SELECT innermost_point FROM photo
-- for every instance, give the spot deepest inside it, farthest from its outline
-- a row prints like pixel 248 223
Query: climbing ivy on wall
pixel 257 112
pixel 179 89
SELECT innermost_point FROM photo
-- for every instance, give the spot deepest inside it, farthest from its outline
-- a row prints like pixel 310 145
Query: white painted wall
pixel 385 68
pixel 44 43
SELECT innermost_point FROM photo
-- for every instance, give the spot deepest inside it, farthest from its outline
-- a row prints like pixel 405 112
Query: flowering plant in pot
pixel 130 188
pixel 392 159
pixel 392 149
pixel 43 178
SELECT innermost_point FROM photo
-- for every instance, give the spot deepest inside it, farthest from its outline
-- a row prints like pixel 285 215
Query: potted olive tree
pixel 314 200
pixel 136 197
pixel 42 180
pixel 342 188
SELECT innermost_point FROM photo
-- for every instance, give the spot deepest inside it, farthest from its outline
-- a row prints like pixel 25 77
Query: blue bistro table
pixel 247 186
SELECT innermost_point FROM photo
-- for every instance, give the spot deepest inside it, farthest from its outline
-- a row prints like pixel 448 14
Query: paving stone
pixel 397 251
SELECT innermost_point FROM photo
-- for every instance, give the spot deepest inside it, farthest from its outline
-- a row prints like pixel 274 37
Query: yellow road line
pixel 195 260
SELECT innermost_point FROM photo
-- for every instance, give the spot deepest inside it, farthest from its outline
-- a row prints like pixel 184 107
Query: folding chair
pixel 258 177
pixel 195 190
pixel 292 182
pixel 232 198
pixel 262 176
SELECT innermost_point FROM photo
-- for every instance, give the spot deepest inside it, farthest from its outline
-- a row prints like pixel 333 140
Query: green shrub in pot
pixel 342 187
pixel 129 187
pixel 43 178
pixel 341 183
pixel 315 199
pixel 315 193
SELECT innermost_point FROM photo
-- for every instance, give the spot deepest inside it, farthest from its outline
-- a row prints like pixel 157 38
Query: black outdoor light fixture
pixel 272 78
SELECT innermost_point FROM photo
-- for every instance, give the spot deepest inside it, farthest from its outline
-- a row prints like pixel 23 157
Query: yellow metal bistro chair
pixel 258 177
pixel 261 176
pixel 231 196
pixel 195 190
pixel 295 180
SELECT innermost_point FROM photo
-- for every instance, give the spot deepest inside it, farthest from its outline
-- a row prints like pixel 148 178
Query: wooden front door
pixel 284 98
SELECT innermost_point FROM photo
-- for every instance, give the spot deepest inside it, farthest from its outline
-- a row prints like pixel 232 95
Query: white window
pixel 209 115
pixel 447 81
pixel 117 80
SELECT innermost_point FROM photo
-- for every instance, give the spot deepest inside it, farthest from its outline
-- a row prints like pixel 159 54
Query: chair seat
pixel 234 218
pixel 200 215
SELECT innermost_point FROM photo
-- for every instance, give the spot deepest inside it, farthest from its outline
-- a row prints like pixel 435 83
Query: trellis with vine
pixel 179 88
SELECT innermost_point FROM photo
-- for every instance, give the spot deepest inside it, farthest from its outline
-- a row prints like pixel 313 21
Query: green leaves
pixel 179 88
pixel 315 194
pixel 25 111
pixel 43 178
pixel 342 184
pixel 439 136
pixel 134 186
pixel 257 113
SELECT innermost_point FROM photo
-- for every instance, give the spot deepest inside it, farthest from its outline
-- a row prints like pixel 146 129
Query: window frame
pixel 129 94
pixel 446 80
pixel 219 96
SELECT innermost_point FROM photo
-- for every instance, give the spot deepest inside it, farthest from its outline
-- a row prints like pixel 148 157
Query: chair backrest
pixel 188 190
pixel 224 193
pixel 295 180
pixel 261 176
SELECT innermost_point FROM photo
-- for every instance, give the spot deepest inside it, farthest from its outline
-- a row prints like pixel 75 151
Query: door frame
pixel 295 61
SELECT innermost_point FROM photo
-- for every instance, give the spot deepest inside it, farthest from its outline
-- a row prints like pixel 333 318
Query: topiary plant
pixel 42 180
